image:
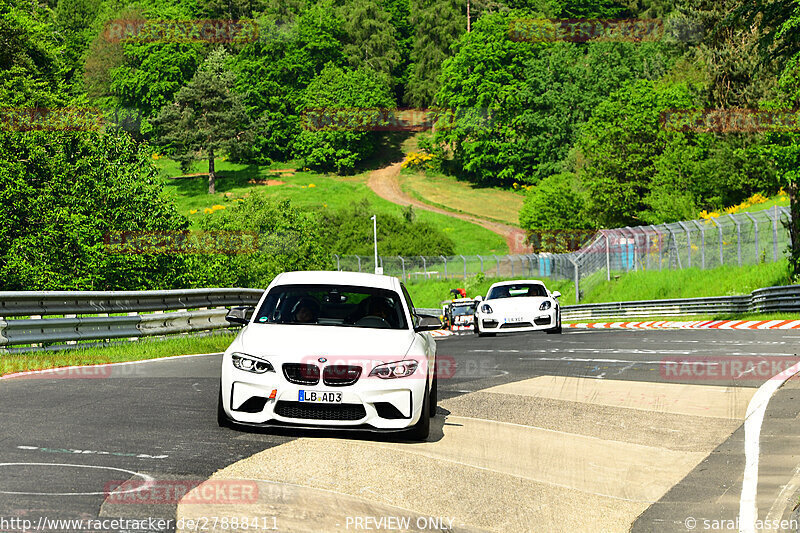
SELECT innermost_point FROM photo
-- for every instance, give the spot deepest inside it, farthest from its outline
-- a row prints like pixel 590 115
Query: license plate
pixel 319 397
pixel 513 319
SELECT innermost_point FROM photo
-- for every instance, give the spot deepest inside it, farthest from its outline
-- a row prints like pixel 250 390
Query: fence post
pixel 738 238
pixel 577 279
pixel 755 232
pixel 481 260
pixel 445 265
pixel 498 265
pixel 465 266
pixel 719 230
pixel 358 257
pixel 424 267
pixel 608 256
pixel 661 249
pixel 775 235
pixel 403 266
pixel 702 244
pixel 511 262
pixel 688 244
pixel 338 265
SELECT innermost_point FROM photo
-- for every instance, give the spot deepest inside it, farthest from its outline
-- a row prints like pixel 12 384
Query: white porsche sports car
pixel 522 305
pixel 331 349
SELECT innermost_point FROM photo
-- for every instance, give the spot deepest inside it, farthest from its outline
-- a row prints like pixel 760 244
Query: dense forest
pixel 577 120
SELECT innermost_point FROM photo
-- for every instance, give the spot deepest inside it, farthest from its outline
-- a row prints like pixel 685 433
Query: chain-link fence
pixel 731 239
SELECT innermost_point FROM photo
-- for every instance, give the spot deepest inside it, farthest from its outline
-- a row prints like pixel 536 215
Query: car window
pixel 333 305
pixel 517 291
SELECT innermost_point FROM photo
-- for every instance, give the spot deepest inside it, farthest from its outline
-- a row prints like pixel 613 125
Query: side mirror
pixel 556 294
pixel 240 315
pixel 479 299
pixel 427 323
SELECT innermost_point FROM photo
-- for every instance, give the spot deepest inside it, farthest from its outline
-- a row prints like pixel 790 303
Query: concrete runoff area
pixel 501 474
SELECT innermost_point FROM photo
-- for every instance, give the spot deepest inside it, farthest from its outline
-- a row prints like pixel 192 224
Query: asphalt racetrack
pixel 591 430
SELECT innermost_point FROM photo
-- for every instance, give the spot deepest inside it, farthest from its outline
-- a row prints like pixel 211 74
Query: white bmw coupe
pixel 523 305
pixel 339 350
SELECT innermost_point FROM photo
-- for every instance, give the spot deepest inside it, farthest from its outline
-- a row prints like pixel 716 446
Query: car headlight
pixel 252 364
pixel 486 308
pixel 547 304
pixel 398 369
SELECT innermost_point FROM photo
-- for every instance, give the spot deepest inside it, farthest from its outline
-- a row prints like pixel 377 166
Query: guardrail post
pixel 719 230
pixel 445 265
pixel 688 245
pixel 755 232
pixel 481 260
pixel 702 244
pixel 403 266
pixel 738 238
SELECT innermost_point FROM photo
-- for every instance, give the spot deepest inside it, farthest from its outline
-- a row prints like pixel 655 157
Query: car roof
pixel 358 279
pixel 517 282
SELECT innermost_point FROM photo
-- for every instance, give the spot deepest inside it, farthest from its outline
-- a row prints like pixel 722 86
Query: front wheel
pixel 222 419
pixel 557 329
pixel 422 428
pixel 434 395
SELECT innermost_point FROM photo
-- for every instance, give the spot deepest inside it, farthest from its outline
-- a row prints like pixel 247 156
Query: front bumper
pixel 537 321
pixel 371 402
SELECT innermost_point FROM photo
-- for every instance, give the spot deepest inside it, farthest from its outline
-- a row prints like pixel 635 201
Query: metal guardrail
pixel 56 317
pixel 41 320
pixel 784 299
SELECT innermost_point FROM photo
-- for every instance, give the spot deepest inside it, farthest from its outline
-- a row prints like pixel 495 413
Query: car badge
pixel 322 360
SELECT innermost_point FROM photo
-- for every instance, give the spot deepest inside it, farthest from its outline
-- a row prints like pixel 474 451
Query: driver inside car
pixel 305 311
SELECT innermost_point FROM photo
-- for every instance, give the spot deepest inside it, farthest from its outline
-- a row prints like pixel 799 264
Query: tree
pixel 342 94
pixel 784 149
pixel 288 239
pixel 437 25
pixel 61 195
pixel 207 116
pixel 553 211
pixel 370 39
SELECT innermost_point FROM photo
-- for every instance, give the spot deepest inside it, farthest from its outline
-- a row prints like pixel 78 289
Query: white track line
pixel 121 363
pixel 748 508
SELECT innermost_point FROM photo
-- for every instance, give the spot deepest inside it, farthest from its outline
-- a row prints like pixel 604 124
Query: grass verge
pixel 115 353
pixel 446 192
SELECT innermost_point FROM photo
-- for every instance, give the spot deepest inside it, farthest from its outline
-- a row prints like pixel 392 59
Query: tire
pixel 421 430
pixel 222 419
pixel 434 394
pixel 557 329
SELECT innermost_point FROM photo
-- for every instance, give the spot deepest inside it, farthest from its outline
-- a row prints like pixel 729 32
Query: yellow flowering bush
pixel 213 208
pixel 417 159
pixel 756 199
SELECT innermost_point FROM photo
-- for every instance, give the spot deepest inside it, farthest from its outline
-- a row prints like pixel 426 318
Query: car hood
pixel 510 305
pixel 293 341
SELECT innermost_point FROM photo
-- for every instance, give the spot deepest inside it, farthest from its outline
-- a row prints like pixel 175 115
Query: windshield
pixel 333 305
pixel 517 291
pixel 463 310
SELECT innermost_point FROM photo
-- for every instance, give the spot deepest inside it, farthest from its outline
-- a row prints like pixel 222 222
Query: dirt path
pixel 384 182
